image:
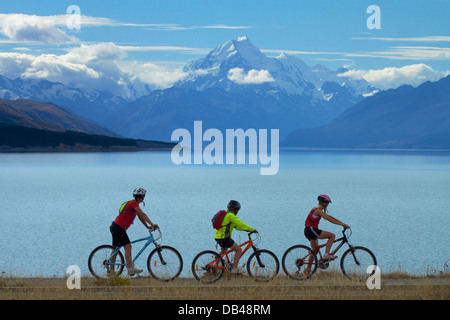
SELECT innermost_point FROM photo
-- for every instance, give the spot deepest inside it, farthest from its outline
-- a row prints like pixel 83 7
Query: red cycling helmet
pixel 323 198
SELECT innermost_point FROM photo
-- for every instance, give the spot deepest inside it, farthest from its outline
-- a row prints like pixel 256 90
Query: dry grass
pixel 324 285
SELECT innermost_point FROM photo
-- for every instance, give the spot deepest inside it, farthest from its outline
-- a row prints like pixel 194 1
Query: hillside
pixel 22 139
pixel 405 117
pixel 48 116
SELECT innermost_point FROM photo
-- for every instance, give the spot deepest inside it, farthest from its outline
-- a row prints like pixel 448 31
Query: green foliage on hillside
pixel 12 137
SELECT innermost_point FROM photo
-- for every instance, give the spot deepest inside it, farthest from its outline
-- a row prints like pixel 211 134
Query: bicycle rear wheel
pixel 98 262
pixel 164 263
pixel 296 262
pixel 356 261
pixel 203 269
pixel 263 265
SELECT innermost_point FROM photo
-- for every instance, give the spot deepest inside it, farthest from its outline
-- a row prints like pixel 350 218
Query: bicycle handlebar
pixel 152 229
pixel 345 229
pixel 157 235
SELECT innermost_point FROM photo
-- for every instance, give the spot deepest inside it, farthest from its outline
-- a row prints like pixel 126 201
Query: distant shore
pixel 80 149
pixel 23 139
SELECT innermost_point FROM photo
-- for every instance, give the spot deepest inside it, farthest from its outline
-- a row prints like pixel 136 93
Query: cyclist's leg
pixel 311 234
pixel 313 244
pixel 120 238
pixel 237 254
pixel 128 257
pixel 330 236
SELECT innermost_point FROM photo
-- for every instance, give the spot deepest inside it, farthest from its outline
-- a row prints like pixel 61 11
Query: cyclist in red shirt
pixel 312 231
pixel 128 212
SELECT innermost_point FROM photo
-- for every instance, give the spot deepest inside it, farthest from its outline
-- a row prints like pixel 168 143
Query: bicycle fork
pixel 258 258
pixel 352 253
pixel 159 249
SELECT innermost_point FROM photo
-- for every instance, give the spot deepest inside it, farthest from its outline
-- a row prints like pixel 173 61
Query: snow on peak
pixel 283 55
pixel 240 62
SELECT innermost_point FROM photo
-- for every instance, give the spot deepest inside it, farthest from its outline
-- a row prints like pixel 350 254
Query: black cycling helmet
pixel 234 205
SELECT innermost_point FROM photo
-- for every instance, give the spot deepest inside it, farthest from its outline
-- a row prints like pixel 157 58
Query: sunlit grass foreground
pixel 324 285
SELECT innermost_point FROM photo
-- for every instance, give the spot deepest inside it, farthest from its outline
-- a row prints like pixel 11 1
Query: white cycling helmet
pixel 139 192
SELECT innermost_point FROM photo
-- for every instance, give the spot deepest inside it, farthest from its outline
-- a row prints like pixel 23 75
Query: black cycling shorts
pixel 312 233
pixel 119 236
pixel 225 243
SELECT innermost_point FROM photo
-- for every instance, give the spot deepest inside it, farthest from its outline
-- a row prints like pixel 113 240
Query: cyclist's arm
pixel 241 226
pixel 330 218
pixel 144 218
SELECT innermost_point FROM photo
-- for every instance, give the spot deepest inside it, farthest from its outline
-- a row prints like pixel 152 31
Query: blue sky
pixel 161 36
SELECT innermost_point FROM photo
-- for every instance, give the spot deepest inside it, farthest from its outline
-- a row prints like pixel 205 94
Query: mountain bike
pixel 262 265
pixel 300 262
pixel 164 262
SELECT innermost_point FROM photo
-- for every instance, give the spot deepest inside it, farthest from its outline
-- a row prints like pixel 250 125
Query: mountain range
pixel 234 86
pixel 405 117
pixel 237 86
pixel 91 104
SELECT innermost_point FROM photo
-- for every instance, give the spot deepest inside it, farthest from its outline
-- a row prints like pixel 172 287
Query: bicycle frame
pixel 248 244
pixel 150 239
pixel 343 241
pixel 325 263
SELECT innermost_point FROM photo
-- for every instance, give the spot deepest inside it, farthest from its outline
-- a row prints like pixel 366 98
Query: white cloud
pixel 203 51
pixel 86 67
pixel 156 76
pixel 31 28
pixel 20 28
pixel 409 39
pixel 252 77
pixel 92 67
pixel 389 78
pixel 407 53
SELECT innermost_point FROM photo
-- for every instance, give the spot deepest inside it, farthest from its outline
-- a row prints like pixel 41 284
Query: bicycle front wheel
pixel 299 262
pixel 356 261
pixel 263 265
pixel 102 265
pixel 207 266
pixel 165 263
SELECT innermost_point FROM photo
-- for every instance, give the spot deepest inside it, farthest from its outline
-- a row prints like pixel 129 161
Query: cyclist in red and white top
pixel 312 231
pixel 128 212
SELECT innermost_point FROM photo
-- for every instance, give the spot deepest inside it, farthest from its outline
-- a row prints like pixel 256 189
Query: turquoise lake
pixel 57 207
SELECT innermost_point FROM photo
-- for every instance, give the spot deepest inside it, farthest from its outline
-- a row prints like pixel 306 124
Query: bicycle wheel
pixel 203 269
pixel 165 263
pixel 263 265
pixel 98 258
pixel 296 260
pixel 356 261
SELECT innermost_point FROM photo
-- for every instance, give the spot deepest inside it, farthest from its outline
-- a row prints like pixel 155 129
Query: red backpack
pixel 218 219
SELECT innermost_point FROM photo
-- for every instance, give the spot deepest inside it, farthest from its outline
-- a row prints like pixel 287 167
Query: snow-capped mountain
pixel 237 86
pixel 238 63
pixel 88 103
pixel 234 86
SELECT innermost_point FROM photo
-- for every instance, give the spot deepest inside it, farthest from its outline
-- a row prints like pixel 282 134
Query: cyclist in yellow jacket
pixel 223 235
